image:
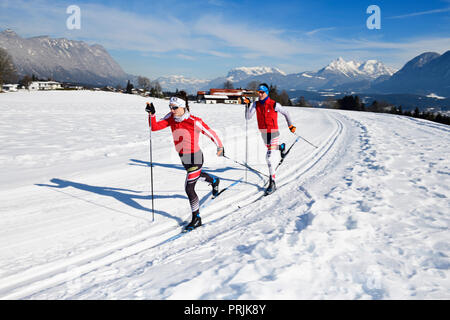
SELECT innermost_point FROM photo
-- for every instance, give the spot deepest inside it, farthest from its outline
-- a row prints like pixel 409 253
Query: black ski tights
pixel 193 164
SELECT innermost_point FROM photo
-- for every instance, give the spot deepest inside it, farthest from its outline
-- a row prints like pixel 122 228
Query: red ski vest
pixel 267 116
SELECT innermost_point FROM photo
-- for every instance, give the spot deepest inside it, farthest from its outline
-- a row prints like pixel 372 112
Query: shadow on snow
pixel 126 196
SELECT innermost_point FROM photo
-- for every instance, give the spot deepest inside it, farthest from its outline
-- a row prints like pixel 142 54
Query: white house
pixel 212 99
pixel 44 85
pixel 10 87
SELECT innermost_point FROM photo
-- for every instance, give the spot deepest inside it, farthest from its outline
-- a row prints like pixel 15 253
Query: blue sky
pixel 205 39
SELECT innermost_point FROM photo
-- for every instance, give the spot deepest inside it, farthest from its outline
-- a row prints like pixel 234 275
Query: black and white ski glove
pixel 150 108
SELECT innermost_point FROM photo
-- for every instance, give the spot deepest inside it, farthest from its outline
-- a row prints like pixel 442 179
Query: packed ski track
pixel 365 215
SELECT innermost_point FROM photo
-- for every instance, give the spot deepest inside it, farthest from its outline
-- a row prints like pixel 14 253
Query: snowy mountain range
pixel 76 61
pixel 370 69
pixel 336 73
pixel 236 75
pixel 242 73
pixel 62 59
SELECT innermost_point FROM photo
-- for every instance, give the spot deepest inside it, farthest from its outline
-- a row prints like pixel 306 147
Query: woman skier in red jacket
pixel 186 129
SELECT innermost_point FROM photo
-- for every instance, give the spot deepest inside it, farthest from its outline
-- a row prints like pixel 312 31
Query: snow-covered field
pixel 364 216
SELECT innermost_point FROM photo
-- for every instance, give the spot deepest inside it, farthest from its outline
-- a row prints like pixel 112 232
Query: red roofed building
pixel 231 96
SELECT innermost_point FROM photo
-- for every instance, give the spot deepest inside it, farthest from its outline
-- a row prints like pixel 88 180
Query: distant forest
pixel 354 103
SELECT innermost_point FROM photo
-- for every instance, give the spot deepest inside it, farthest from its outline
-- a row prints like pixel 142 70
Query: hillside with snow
pixel 365 215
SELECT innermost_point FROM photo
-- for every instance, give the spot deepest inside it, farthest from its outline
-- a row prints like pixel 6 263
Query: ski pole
pixel 306 141
pixel 246 140
pixel 287 151
pixel 246 166
pixel 151 171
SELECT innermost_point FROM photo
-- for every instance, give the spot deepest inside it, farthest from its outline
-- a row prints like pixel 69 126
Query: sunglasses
pixel 262 92
pixel 173 107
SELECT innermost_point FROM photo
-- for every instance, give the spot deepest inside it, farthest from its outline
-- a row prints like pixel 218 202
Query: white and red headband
pixel 175 101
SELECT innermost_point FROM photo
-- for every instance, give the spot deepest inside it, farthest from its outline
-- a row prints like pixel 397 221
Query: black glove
pixel 150 108
pixel 221 152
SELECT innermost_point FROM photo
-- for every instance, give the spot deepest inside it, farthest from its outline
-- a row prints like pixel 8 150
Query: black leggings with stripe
pixel 193 163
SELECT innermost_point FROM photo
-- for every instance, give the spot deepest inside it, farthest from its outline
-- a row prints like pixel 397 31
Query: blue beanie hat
pixel 263 87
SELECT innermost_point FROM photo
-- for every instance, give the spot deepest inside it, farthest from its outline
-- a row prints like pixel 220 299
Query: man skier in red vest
pixel 267 115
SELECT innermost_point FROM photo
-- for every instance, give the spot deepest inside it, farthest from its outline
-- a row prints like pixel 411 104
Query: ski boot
pixel 215 187
pixel 271 188
pixel 282 148
pixel 195 223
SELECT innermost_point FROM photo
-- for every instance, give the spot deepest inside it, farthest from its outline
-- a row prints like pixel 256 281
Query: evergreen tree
pixel 350 103
pixel 129 87
pixel 273 93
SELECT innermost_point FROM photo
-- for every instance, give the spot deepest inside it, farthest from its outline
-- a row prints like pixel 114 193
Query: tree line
pixel 354 103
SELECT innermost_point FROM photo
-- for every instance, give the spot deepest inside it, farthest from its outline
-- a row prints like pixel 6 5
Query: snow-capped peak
pixel 339 65
pixel 242 73
pixel 375 68
pixel 369 68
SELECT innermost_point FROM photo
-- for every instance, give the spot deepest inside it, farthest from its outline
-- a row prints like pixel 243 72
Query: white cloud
pixel 252 41
pixel 213 35
pixel 415 14
pixel 186 57
pixel 313 32
pixel 422 44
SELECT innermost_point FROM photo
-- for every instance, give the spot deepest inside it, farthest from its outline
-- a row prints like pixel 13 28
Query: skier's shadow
pixel 125 196
pixel 136 162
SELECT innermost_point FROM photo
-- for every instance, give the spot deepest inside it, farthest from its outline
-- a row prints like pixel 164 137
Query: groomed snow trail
pixel 364 216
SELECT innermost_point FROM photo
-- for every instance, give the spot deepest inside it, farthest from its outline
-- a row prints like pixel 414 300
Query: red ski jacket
pixel 267 116
pixel 186 132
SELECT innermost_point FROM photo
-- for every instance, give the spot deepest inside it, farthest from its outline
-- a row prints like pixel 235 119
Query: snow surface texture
pixel 363 216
